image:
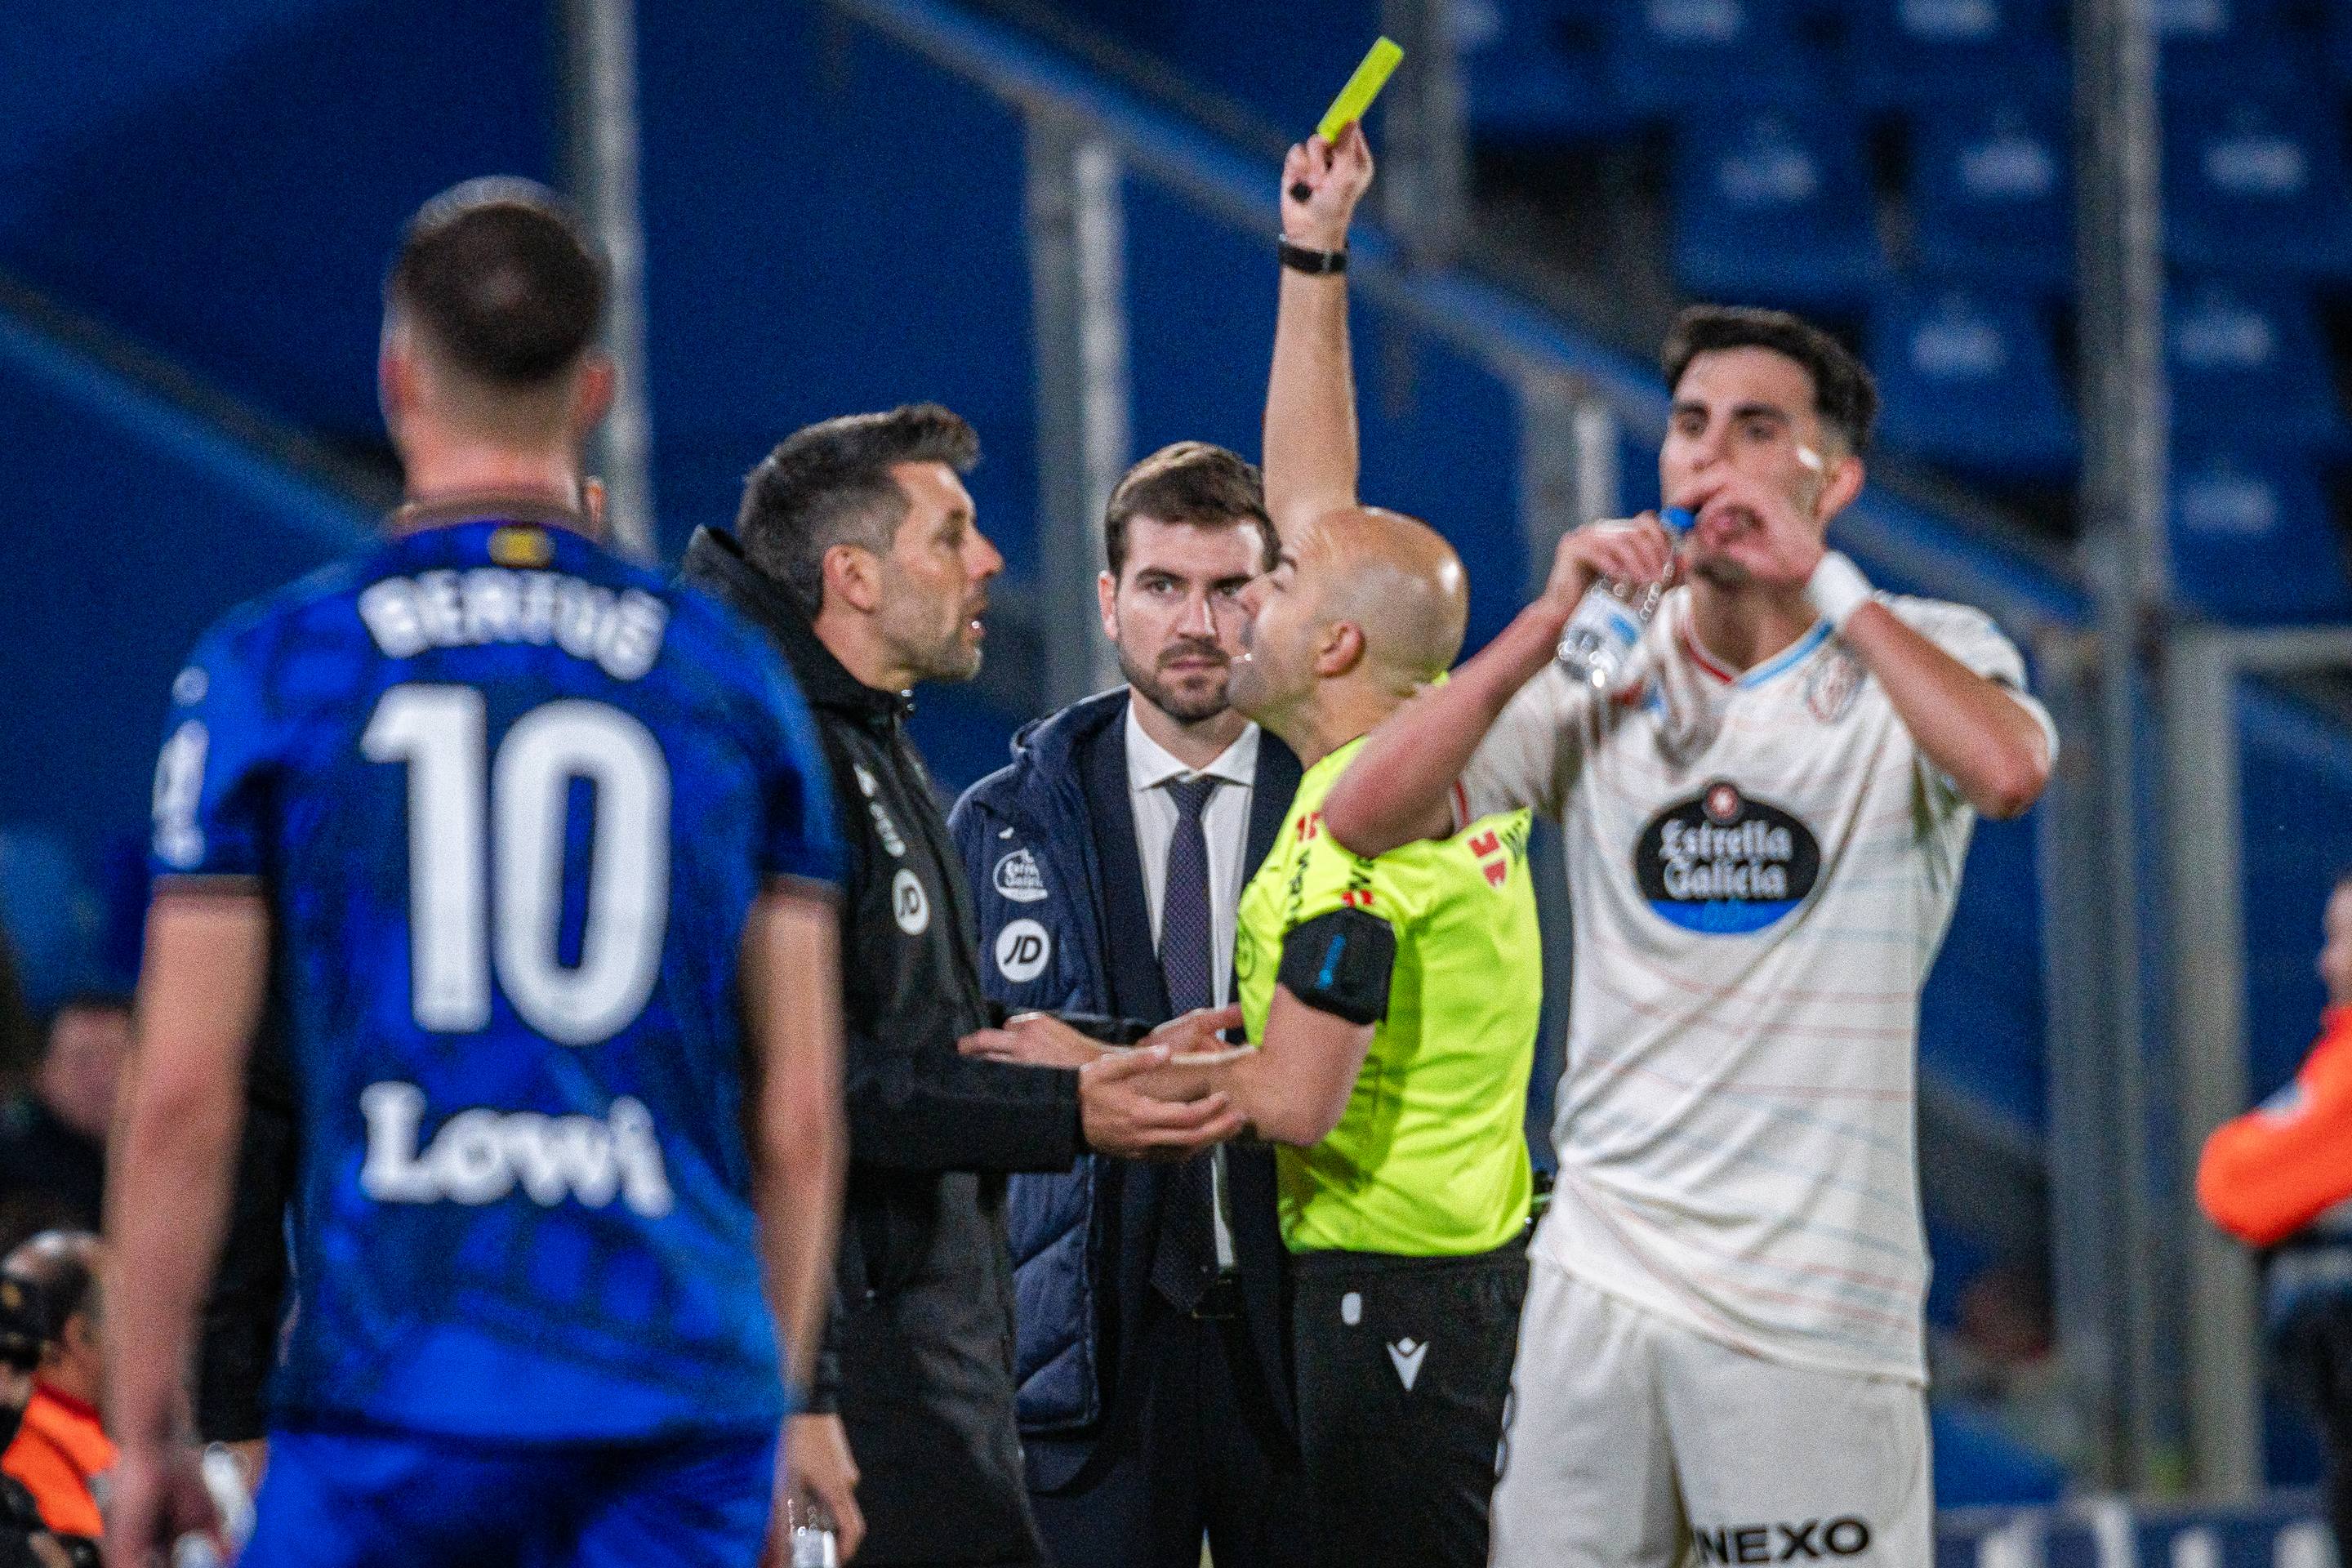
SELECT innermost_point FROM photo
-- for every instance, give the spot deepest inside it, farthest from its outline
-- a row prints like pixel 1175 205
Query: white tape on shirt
pixel 1837 589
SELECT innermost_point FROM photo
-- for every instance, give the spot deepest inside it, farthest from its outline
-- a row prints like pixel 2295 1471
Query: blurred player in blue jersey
pixel 529 859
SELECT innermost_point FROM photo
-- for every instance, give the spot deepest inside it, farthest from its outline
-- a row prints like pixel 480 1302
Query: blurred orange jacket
pixel 60 1452
pixel 2268 1174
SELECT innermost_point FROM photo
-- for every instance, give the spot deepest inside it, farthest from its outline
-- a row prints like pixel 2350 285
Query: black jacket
pixel 1049 845
pixel 920 1350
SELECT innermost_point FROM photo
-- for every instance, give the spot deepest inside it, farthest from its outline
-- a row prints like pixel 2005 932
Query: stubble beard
pixel 1720 572
pixel 946 658
pixel 1184 707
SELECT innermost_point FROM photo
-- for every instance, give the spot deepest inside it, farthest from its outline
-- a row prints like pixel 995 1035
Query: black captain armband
pixel 1339 964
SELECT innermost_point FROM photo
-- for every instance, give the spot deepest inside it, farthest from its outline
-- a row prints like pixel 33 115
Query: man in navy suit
pixel 1107 861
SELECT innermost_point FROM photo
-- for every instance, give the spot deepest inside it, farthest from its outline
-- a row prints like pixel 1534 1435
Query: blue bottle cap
pixel 1678 519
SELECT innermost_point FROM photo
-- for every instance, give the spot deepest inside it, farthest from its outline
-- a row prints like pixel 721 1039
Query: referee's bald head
pixel 498 292
pixel 1397 580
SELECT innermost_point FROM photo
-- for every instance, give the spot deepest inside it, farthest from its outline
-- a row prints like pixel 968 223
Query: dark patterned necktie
pixel 1185 1264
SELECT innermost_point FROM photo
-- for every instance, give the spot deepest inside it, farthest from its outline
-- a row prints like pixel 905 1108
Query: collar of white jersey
pixel 1787 659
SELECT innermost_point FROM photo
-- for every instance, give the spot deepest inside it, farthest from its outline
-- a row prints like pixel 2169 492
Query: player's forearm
pixel 793 987
pixel 800 1212
pixel 803 1159
pixel 174 1144
pixel 1399 786
pixel 1310 404
pixel 1983 739
pixel 167 1204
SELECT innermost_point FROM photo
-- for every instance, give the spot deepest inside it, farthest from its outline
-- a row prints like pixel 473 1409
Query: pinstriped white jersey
pixel 1762 868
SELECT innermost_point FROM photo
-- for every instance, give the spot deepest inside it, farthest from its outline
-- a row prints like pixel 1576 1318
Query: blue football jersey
pixel 509 799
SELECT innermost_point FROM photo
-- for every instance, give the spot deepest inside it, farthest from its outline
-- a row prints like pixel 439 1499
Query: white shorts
pixel 1633 1442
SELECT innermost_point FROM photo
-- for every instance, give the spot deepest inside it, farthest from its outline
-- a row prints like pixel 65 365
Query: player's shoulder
pixel 245 634
pixel 727 653
pixel 1937 619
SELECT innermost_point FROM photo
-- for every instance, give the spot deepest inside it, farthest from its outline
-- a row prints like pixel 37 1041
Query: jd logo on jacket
pixel 909 903
pixel 1725 863
pixel 1021 949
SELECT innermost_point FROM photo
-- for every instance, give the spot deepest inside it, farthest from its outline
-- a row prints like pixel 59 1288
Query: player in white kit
pixel 1720 1359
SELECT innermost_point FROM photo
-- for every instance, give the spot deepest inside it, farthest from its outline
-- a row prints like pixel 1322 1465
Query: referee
pixel 1395 1003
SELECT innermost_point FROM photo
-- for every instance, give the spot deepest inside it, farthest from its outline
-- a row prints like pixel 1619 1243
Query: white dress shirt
pixel 1150 769
pixel 1224 823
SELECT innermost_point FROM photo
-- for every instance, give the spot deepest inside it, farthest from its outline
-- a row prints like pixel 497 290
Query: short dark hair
pixel 1191 482
pixel 1844 394
pixel 500 276
pixel 830 484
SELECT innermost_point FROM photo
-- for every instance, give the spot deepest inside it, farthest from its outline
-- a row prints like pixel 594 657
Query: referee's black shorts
pixel 1404 1366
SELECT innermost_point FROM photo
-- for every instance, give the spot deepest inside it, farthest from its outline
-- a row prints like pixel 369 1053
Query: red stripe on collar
pixel 1705 660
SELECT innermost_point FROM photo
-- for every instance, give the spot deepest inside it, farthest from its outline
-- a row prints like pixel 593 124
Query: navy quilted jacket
pixel 1048 848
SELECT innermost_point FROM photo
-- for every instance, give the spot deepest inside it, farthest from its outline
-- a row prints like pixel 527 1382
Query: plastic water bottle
pixel 232 1501
pixel 814 1545
pixel 1608 620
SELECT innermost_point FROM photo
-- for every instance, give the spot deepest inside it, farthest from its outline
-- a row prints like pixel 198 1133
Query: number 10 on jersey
pixel 485 841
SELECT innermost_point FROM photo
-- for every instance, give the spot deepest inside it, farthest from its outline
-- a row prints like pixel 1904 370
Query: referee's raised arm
pixel 1310 398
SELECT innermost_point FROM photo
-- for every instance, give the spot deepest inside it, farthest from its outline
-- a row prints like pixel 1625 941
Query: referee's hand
pixel 1123 1119
pixel 1321 183
pixel 1202 1029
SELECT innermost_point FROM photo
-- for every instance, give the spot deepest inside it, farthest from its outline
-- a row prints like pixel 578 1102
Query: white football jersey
pixel 1762 868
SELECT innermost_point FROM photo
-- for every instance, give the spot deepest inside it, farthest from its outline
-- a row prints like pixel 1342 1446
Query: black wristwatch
pixel 1314 263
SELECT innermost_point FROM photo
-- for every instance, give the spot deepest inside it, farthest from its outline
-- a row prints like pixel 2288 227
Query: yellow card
pixel 1362 88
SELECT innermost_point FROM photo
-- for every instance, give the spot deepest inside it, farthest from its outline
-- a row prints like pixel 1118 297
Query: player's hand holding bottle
pixel 156 1494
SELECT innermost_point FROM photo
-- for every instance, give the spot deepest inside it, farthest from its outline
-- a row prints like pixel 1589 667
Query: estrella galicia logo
pixel 1018 879
pixel 1723 863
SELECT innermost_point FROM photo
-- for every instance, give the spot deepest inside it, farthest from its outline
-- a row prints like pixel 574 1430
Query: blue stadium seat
pixel 2224 47
pixel 2256 184
pixel 2252 539
pixel 1534 70
pixel 1992 195
pixel 1907 53
pixel 1969 380
pixel 1775 208
pixel 2249 369
pixel 1668 57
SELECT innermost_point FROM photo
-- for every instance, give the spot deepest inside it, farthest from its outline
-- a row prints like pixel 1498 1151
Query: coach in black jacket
pixel 860 556
pixel 1154 1348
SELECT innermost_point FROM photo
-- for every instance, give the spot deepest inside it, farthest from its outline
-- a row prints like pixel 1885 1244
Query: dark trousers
pixel 2314 1351
pixel 1191 1452
pixel 1404 1366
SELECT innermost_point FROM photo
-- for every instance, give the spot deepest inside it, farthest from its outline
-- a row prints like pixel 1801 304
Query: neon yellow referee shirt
pixel 1430 1158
